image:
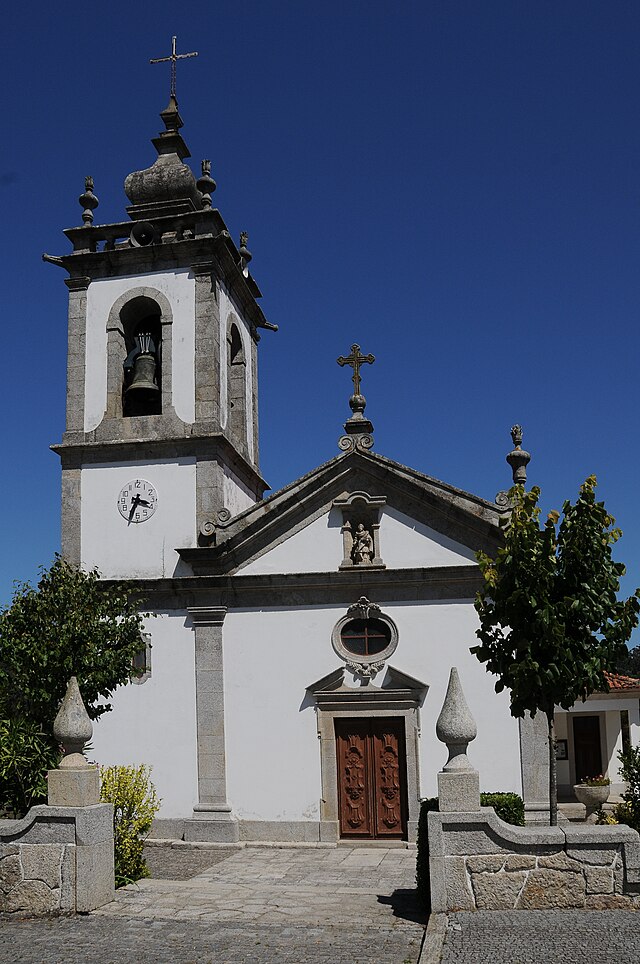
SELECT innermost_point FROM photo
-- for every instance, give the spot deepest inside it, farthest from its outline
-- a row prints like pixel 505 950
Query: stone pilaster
pixel 76 357
pixel 71 532
pixel 534 761
pixel 212 818
pixel 209 491
pixel 208 348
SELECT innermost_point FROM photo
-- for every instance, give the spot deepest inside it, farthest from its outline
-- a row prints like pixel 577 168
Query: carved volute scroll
pixel 360 530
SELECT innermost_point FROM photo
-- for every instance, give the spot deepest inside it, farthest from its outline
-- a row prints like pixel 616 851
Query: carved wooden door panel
pixel 371 777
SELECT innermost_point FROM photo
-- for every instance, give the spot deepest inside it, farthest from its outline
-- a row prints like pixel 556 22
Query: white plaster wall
pixel 271 656
pixel 237 496
pixel 404 543
pixel 146 549
pixel 179 288
pixel 154 722
pixel 230 312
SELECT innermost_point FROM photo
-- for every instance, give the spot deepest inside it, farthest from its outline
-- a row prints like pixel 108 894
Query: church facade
pixel 299 644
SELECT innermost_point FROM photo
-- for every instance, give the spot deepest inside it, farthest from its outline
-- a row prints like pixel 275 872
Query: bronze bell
pixel 143 384
pixel 142 396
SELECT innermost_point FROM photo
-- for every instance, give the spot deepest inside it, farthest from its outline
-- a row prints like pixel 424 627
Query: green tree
pixel 551 623
pixel 70 624
pixel 629 663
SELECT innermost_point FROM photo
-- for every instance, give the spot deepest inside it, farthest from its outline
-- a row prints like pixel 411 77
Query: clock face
pixel 137 501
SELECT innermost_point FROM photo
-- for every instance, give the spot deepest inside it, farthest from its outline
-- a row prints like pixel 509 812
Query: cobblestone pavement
pixel 265 905
pixel 181 863
pixel 543 937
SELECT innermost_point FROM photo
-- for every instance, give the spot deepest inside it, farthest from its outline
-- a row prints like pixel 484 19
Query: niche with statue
pixel 360 530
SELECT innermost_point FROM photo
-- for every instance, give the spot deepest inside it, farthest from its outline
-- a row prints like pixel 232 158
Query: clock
pixel 137 501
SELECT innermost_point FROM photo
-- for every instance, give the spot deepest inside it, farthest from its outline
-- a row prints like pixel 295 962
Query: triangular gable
pixel 429 523
pixel 405 543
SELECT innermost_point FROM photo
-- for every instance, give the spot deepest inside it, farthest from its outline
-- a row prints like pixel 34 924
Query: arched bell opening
pixel 142 366
pixel 236 384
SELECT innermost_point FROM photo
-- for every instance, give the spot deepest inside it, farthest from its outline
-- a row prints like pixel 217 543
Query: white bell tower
pixel 161 435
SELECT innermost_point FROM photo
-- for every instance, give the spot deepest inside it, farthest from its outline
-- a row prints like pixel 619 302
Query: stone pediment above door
pixel 398 690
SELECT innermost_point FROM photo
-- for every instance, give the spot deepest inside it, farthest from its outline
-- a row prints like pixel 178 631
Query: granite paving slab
pixel 263 905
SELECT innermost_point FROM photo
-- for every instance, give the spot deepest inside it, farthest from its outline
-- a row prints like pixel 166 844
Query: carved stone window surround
pixel 116 351
pixel 365 665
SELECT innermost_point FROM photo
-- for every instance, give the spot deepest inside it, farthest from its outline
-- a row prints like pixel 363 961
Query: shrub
pixel 71 624
pixel 135 804
pixel 629 811
pixel 508 806
pixel 25 756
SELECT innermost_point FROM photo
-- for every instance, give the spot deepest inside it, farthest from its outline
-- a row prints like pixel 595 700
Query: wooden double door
pixel 372 778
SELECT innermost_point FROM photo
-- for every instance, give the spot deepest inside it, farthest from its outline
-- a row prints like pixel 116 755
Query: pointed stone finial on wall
pixel 206 185
pixel 518 459
pixel 72 727
pixel 76 782
pixel 456 726
pixel 88 201
pixel 458 782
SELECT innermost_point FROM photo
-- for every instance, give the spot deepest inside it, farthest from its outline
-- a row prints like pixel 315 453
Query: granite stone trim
pixel 57 859
pixel 212 807
pixel 534 764
pixel 269 523
pixel 327 714
pixel 478 862
pixel 386 586
pixel 199 441
pixel 76 353
pixel 117 352
pixel 207 343
pixel 71 526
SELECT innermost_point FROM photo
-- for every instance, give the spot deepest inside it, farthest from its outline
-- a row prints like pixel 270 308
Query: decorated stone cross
pixel 355 360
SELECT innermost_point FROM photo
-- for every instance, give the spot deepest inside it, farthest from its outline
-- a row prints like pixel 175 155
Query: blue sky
pixel 453 185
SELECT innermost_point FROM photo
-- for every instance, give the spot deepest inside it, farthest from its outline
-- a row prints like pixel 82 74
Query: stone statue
pixel 362 551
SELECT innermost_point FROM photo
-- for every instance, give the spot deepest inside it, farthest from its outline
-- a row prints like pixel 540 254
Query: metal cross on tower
pixel 173 58
pixel 355 360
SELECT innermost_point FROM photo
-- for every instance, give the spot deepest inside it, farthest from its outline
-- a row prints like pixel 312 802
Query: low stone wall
pixel 478 862
pixel 57 859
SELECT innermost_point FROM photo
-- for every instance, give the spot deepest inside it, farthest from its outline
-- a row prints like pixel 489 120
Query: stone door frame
pixel 400 697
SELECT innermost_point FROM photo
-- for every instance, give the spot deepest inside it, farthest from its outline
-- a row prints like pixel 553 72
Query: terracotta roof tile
pixel 618 682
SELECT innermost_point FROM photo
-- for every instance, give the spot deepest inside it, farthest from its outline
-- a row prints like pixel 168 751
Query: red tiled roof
pixel 618 682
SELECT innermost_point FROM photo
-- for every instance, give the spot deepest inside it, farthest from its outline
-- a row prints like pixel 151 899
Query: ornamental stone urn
pixel 594 798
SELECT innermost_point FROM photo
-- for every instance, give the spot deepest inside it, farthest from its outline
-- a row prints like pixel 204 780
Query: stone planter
pixel 594 798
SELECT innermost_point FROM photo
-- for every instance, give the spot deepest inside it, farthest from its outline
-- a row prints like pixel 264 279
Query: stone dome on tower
pixel 168 187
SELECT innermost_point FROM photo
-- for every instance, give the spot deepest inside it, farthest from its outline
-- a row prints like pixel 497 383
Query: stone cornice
pixel 384 586
pixel 207 615
pixel 219 250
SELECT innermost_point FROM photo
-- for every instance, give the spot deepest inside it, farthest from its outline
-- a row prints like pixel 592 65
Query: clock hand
pixel 134 505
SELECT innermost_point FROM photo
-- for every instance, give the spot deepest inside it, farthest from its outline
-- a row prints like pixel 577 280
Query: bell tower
pixel 162 386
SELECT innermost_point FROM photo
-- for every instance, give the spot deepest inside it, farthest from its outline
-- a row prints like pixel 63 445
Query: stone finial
pixel 518 459
pixel 245 254
pixel 206 185
pixel 456 726
pixel 88 201
pixel 72 727
pixel 358 428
